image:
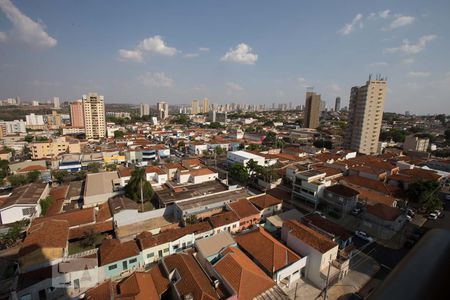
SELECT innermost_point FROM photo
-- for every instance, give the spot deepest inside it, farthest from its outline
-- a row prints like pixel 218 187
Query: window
pixel 27 211
pixel 112 267
pixel 133 260
pixel 150 255
pixel 166 250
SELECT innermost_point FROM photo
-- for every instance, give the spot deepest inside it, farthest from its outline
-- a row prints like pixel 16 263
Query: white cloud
pixel 151 45
pixel 350 27
pixel 242 54
pixel 131 55
pixel 155 80
pixel 384 13
pixel 3 36
pixel 191 55
pixel 203 49
pixel 413 74
pixel 234 87
pixel 156 45
pixel 400 21
pixel 24 28
pixel 378 64
pixel 407 48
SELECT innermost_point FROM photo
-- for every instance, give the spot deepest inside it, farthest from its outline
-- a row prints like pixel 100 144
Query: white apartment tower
pixel 195 107
pixel 205 105
pixel 94 116
pixel 56 103
pixel 144 109
pixel 365 116
pixel 163 110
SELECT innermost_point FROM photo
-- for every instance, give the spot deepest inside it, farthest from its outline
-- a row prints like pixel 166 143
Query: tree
pixel 17 180
pixel 14 234
pixel 28 138
pixel 4 168
pixel 181 145
pixel 133 188
pixel 323 144
pixel 252 147
pixel 219 150
pixel 181 119
pixel 192 219
pixel 45 204
pixel 425 193
pixel 118 134
pixel 59 174
pixel 94 167
pixel 239 172
pixel 33 176
pixel 89 238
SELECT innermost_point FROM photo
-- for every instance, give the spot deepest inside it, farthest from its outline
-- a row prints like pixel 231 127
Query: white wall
pixel 14 213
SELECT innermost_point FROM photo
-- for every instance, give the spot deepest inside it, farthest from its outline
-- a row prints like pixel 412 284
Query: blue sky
pixel 229 51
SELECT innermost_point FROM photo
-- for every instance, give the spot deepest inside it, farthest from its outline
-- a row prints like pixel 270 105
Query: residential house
pixel 334 231
pixel 339 199
pixel 225 221
pixel 209 248
pixel 99 187
pixel 22 203
pixel 279 262
pixel 117 259
pixel 383 221
pixel 321 252
pixel 267 204
pixel 247 213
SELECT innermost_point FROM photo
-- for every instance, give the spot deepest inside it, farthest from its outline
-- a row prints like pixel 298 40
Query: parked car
pixel 437 212
pixel 361 234
pixel 408 218
pixel 432 216
pixel 320 214
pixel 356 211
pixel 410 212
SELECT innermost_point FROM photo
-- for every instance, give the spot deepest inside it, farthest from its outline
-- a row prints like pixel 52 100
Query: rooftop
pixel 227 196
pixel 214 244
pixel 264 201
pixel 27 194
pixel 243 208
pixel 309 236
pixel 223 218
pixel 266 250
pixel 100 183
pixel 168 195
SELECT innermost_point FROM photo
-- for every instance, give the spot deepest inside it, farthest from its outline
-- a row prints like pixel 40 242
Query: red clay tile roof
pixel 375 185
pixel 314 220
pixel 266 250
pixel 124 171
pixel 243 208
pixel 161 282
pixel 58 196
pixel 201 172
pixel 384 212
pixel 74 217
pixel 242 274
pixel 47 234
pixel 342 190
pixel 113 250
pixel 32 168
pixel 153 169
pixel 264 201
pixel 311 237
pixel 138 286
pixel 192 279
pixel 224 218
pixel 101 292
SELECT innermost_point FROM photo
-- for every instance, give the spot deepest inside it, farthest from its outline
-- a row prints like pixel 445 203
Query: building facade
pixel 163 110
pixel 76 114
pixel 94 116
pixel 144 109
pixel 365 116
pixel 312 110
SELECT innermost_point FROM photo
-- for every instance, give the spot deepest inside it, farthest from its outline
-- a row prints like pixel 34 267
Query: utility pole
pixel 142 197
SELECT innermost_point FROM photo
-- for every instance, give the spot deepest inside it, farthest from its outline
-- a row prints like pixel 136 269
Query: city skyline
pixel 226 53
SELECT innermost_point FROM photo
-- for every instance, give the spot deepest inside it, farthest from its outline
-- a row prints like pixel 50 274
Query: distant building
pixel 215 116
pixel 415 143
pixel 56 103
pixel 12 127
pixel 33 120
pixel 144 109
pixel 195 108
pixel 35 103
pixel 76 113
pixel 94 116
pixel 337 104
pixel 54 119
pixel 163 110
pixel 312 110
pixel 365 115
pixel 205 105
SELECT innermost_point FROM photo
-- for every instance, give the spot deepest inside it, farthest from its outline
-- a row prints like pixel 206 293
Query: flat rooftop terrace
pixel 228 196
pixel 168 195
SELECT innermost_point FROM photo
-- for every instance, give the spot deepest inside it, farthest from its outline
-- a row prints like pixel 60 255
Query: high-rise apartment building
pixel 195 107
pixel 312 110
pixel 365 116
pixel 56 103
pixel 163 110
pixel 337 104
pixel 94 116
pixel 76 113
pixel 144 109
pixel 205 105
